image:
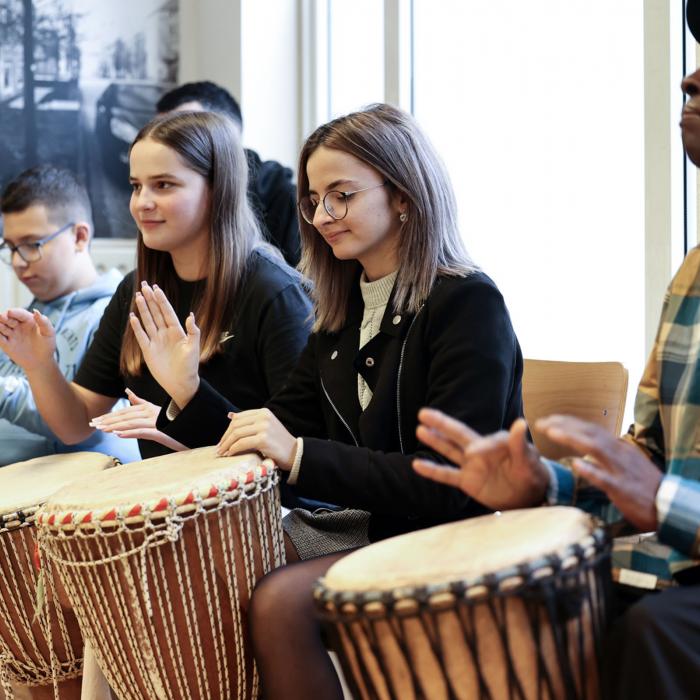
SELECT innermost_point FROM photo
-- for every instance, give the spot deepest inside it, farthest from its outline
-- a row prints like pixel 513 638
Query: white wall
pixel 250 47
pixel 269 77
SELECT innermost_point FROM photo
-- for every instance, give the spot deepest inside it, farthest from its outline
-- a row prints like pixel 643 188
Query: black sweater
pixel 268 332
pixel 273 196
pixel 459 354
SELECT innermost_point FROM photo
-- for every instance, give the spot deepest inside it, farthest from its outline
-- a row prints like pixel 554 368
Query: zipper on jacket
pixel 337 412
pixel 398 378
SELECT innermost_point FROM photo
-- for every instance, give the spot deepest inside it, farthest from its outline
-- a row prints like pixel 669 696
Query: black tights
pixel 292 660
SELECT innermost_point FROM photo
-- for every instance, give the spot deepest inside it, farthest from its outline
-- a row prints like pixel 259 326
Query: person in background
pixel 651 476
pixel 271 189
pixel 46 234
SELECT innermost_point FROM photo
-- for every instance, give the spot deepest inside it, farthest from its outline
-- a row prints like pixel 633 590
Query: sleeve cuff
pixel 678 514
pixel 296 466
pixel 664 498
pixel 562 484
pixel 201 422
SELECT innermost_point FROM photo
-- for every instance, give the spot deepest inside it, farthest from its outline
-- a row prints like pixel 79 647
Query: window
pixel 538 111
pixel 355 55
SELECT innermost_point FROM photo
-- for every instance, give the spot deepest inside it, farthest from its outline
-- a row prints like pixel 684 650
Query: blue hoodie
pixel 23 432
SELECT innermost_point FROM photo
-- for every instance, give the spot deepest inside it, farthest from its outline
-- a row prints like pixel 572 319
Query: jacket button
pixel 334 354
pixel 369 362
pixel 396 320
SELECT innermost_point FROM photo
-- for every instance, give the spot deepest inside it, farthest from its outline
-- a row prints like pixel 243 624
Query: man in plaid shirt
pixel 651 476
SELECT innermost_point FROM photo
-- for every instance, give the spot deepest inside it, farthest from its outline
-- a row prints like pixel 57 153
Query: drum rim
pixel 13 517
pixel 22 517
pixel 508 581
pixel 231 488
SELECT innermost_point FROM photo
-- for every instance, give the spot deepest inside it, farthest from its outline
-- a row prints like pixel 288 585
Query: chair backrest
pixel 592 391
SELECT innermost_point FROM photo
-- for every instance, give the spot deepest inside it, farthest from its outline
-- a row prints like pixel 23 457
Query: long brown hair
pixel 209 144
pixel 390 141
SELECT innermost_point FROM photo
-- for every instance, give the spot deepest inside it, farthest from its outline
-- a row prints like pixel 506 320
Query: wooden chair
pixel 592 391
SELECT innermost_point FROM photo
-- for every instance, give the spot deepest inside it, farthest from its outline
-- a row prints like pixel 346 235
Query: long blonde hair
pixel 391 142
pixel 209 144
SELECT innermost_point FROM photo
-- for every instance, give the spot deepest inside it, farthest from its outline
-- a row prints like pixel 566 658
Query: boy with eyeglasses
pixel 46 231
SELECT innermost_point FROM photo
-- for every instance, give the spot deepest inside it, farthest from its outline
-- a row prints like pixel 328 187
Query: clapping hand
pixel 28 338
pixel 170 352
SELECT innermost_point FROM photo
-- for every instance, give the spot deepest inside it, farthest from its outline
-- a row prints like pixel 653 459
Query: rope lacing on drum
pixel 564 599
pixel 497 608
pixel 423 596
pixel 531 601
pixel 4 677
pixel 559 631
pixel 157 657
pixel 17 519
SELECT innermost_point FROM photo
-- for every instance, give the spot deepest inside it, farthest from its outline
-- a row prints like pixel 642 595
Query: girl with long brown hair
pixel 404 319
pixel 198 241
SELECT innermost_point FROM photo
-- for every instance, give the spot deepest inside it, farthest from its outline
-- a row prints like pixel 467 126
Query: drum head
pixel 461 551
pixel 30 483
pixel 148 482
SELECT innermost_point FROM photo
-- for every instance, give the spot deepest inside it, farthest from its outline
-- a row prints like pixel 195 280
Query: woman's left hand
pixel 259 430
pixel 137 421
pixel 170 352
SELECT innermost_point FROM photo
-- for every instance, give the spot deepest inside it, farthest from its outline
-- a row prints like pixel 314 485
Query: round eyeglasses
pixel 334 202
pixel 29 252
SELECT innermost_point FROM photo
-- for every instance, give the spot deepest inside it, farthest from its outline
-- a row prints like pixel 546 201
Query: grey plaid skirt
pixel 319 532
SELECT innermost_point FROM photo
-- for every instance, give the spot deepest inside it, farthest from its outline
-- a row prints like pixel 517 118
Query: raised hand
pixel 258 430
pixel 619 468
pixel 501 471
pixel 170 352
pixel 137 421
pixel 28 338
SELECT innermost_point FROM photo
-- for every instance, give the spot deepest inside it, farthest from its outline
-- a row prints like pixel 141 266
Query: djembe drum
pixel 40 642
pixel 509 605
pixel 159 560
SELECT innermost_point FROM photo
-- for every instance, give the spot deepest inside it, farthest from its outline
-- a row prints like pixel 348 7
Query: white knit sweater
pixel 375 296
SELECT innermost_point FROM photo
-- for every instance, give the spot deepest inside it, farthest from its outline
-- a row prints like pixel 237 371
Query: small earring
pixel 403 217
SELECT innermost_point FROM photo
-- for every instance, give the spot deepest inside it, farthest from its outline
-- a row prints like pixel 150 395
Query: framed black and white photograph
pixel 78 78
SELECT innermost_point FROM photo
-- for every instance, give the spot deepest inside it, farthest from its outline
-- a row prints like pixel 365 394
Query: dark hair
pixel 209 144
pixel 58 189
pixel 211 96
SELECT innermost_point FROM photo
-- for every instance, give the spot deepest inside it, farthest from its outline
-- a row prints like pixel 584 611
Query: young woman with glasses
pixel 199 242
pixel 403 319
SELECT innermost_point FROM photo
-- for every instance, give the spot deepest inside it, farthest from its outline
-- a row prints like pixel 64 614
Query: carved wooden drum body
pixel 510 605
pixel 40 639
pixel 159 560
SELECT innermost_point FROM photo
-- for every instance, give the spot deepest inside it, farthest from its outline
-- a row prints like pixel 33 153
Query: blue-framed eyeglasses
pixel 29 252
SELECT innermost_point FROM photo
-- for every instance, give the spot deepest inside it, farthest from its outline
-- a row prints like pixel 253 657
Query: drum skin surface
pixel 30 483
pixel 508 605
pixel 159 559
pixel 460 551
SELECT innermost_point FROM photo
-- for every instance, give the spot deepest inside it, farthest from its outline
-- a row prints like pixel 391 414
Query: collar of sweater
pixel 377 293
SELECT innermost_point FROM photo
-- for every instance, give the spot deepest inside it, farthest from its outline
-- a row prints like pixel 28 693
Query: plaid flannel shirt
pixel 667 428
